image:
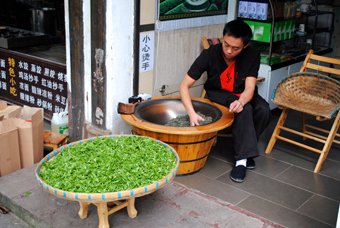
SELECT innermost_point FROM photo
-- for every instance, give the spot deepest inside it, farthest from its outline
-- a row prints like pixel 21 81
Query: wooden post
pixel 136 47
pixel 76 98
pixel 98 69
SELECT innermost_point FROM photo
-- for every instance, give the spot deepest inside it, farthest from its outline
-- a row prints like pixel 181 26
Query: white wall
pixel 119 61
pixel 118 57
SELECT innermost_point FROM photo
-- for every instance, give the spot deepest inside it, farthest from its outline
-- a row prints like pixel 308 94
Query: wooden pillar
pixel 98 69
pixel 76 99
pixel 136 47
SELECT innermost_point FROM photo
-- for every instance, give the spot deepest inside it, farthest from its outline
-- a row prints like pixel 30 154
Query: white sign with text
pixel 146 51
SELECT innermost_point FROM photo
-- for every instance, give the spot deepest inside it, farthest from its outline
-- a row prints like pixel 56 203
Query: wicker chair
pixel 310 93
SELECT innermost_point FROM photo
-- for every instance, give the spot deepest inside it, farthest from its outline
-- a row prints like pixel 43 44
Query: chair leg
pixel 328 143
pixel 303 119
pixel 277 130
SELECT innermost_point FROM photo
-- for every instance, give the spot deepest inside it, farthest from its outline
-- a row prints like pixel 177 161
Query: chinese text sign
pixel 146 51
pixel 28 81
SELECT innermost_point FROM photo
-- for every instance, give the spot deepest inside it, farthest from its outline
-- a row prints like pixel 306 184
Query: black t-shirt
pixel 247 64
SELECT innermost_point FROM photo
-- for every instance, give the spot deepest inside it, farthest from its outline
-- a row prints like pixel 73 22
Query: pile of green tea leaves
pixel 184 121
pixel 108 165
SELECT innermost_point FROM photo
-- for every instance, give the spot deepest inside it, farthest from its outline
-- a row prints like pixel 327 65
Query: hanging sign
pixel 146 51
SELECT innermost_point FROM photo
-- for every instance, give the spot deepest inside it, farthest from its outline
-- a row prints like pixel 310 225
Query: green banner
pixel 178 9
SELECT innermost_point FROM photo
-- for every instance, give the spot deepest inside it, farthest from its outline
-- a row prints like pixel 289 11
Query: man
pixel 232 69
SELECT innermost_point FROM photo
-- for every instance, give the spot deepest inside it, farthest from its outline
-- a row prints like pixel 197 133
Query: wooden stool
pixel 104 211
pixel 54 140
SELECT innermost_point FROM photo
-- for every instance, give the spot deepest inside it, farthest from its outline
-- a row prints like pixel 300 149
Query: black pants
pixel 248 124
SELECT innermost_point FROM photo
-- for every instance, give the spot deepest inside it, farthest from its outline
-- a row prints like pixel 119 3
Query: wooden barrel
pixel 192 144
pixel 193 150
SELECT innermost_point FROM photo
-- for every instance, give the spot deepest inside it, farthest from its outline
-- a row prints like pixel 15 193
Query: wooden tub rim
pixel 225 121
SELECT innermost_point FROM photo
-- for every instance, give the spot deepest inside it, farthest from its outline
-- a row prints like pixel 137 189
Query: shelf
pixel 270 28
pixel 277 19
pixel 313 13
pixel 280 19
pixel 299 58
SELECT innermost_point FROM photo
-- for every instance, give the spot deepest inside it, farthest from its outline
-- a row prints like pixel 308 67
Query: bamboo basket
pixel 315 94
pixel 102 199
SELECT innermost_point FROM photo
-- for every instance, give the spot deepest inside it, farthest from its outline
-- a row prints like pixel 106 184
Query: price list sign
pixel 25 80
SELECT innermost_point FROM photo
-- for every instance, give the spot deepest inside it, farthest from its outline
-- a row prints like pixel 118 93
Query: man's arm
pixel 246 96
pixel 186 100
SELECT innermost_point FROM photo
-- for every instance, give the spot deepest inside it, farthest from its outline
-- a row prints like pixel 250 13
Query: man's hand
pixel 186 100
pixel 236 106
pixel 194 118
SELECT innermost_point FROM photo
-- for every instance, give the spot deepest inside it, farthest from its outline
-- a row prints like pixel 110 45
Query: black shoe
pixel 238 173
pixel 250 163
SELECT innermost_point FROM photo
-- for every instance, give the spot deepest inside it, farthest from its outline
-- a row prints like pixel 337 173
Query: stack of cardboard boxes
pixel 282 30
pixel 21 137
pixel 261 32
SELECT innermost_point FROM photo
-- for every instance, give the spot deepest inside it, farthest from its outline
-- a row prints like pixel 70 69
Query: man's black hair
pixel 238 29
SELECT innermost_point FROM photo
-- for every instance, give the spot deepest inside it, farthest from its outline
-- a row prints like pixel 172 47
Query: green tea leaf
pixel 109 165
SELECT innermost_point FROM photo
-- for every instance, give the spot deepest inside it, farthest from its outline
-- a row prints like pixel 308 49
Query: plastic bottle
pixel 59 123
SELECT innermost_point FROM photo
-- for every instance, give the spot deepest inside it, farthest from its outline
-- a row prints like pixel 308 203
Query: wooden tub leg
pixel 103 215
pixel 132 212
pixel 83 210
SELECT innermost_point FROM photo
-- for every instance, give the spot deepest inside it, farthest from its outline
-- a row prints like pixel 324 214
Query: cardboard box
pixel 31 135
pixel 287 30
pixel 243 9
pixel 9 111
pixel 277 31
pixel 261 10
pixel 292 29
pixel 262 31
pixel 278 9
pixel 290 9
pixel 265 58
pixel 251 9
pixel 9 153
pixel 252 27
pixel 280 30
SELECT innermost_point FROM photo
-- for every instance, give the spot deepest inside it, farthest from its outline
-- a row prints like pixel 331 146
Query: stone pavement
pixel 174 205
pixel 9 220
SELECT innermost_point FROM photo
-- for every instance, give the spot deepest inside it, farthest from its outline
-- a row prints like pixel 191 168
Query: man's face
pixel 232 46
